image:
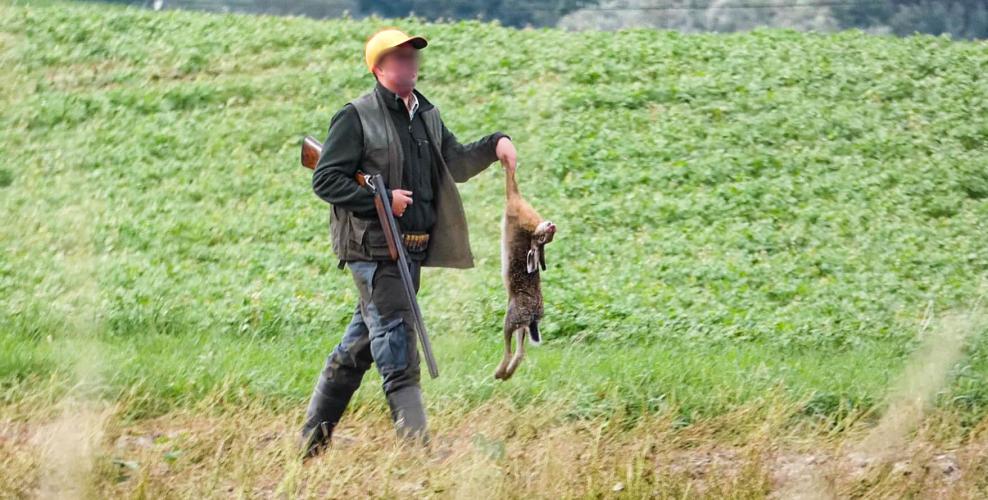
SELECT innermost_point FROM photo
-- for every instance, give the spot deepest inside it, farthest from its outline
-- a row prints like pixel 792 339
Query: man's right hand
pixel 400 199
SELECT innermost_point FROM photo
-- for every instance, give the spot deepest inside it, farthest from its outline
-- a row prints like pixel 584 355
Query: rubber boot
pixel 408 414
pixel 329 401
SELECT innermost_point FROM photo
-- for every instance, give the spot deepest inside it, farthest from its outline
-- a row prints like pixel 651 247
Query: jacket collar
pixel 393 101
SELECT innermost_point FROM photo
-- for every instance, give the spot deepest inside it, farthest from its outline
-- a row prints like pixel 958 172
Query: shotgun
pixel 311 151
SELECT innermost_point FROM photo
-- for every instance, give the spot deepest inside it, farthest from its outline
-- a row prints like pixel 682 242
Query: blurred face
pixel 398 69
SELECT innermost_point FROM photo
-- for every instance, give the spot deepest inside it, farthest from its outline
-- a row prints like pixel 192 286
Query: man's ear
pixel 377 67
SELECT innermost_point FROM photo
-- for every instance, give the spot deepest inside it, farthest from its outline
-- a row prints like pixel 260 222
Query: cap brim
pixel 416 41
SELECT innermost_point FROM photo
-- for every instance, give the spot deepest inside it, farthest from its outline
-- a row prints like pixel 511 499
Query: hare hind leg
pixel 502 368
pixel 522 334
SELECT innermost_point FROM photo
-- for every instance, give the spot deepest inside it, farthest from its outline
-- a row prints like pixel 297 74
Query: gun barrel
pixel 406 277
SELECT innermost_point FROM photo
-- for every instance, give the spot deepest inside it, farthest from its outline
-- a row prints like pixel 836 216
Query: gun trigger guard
pixel 369 183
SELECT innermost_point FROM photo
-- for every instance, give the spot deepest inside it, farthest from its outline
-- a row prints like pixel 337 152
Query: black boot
pixel 329 401
pixel 408 414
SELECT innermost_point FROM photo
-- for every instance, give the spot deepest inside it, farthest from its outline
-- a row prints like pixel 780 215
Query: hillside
pixel 742 217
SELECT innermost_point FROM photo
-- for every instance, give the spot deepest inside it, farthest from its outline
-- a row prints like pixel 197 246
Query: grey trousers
pixel 381 329
pixel 381 332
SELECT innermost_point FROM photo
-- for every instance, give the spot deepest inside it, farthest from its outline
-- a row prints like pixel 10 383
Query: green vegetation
pixel 739 214
pixel 757 231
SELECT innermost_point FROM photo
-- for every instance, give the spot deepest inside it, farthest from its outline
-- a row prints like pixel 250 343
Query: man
pixel 396 132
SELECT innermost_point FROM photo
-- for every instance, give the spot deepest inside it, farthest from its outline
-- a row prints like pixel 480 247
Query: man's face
pixel 399 67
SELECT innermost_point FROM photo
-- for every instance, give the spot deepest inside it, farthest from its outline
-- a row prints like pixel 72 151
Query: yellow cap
pixel 385 40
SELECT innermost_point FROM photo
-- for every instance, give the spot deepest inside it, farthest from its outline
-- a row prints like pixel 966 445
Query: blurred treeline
pixel 958 18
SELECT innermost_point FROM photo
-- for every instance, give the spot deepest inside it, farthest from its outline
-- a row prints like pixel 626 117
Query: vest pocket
pixel 358 227
pixel 369 236
pixel 339 230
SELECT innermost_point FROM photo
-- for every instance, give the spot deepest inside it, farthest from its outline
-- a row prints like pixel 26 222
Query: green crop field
pixel 757 233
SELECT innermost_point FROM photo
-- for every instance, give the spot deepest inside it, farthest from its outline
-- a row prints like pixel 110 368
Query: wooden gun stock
pixel 311 151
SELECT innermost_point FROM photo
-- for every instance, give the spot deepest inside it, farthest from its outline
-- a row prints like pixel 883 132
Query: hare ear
pixel 532 260
pixel 541 253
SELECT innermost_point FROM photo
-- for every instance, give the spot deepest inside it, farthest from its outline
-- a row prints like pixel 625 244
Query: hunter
pixel 395 131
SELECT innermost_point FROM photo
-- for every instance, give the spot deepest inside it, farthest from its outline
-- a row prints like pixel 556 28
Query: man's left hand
pixel 507 154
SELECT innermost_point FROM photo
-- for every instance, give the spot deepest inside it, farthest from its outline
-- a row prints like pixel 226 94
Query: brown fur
pixel 523 236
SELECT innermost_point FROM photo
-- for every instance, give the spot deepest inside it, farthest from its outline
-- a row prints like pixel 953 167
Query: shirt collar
pixel 414 107
pixel 393 101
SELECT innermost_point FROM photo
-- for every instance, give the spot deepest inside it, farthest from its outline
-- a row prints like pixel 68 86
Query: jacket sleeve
pixel 467 160
pixel 333 178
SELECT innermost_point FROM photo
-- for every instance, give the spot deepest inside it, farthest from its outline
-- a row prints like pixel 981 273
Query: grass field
pixel 768 278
